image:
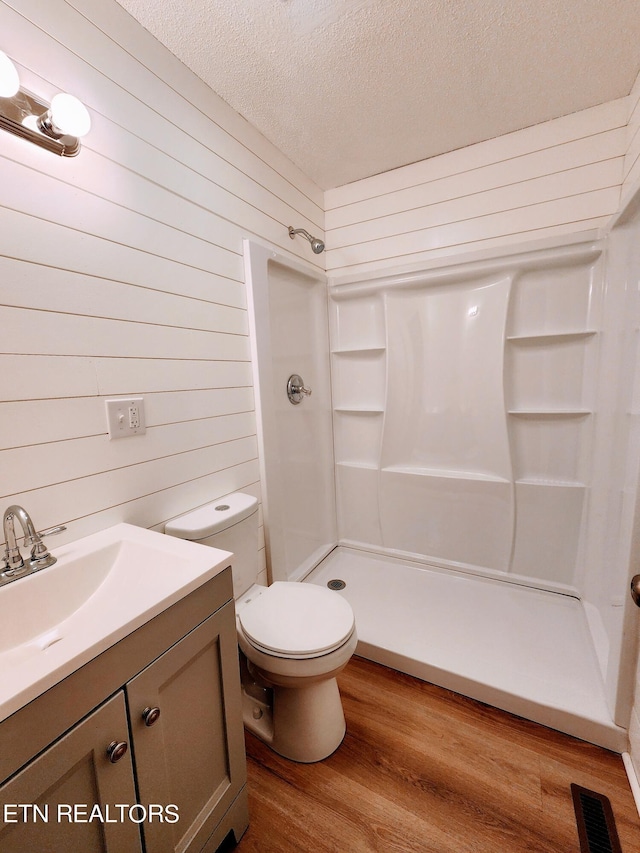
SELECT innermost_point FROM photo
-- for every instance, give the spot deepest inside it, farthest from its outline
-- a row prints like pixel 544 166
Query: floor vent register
pixel 596 824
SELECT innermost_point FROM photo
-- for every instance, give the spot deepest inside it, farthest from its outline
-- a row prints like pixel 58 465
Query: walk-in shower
pixel 476 425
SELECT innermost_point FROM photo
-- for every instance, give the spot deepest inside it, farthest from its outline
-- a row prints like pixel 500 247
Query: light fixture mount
pixel 28 117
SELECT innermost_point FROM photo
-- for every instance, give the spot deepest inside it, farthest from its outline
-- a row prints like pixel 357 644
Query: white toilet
pixel 294 638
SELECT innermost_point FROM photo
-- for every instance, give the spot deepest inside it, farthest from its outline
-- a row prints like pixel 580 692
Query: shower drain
pixel 336 584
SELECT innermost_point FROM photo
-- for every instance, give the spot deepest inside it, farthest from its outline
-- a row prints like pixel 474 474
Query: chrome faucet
pixel 41 558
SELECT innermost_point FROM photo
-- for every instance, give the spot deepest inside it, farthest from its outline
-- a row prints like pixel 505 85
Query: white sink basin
pixel 102 588
pixel 33 606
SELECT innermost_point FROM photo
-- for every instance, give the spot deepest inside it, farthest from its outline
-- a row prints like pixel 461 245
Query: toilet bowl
pixel 293 638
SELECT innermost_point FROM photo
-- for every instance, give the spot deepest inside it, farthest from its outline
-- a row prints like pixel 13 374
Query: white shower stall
pixel 467 464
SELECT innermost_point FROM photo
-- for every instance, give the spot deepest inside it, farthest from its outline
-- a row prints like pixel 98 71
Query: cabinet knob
pixel 116 750
pixel 150 716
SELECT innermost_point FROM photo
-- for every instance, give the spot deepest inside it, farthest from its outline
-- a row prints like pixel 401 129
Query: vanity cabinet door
pixel 76 788
pixel 186 724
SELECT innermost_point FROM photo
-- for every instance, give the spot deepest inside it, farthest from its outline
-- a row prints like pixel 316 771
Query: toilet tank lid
pixel 212 518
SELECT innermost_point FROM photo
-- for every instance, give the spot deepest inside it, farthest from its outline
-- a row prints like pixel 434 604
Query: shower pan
pixel 483 455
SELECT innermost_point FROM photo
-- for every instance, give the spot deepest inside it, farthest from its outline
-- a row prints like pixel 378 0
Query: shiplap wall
pixel 121 270
pixel 556 178
pixel 630 185
pixel 631 173
pixel 121 273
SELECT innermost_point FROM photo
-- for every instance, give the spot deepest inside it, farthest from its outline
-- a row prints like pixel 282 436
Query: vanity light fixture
pixel 57 127
pixel 9 80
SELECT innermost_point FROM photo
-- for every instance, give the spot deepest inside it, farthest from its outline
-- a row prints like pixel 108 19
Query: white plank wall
pixel 563 176
pixel 121 270
pixel 121 273
pixel 631 174
pixel 629 187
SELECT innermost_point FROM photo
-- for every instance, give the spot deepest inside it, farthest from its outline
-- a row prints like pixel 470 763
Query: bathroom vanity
pixel 141 747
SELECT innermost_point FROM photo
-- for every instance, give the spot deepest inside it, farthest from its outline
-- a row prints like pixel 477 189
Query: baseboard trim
pixel 633 779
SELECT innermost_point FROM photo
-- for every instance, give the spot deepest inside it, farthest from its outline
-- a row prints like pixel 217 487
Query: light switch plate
pixel 125 416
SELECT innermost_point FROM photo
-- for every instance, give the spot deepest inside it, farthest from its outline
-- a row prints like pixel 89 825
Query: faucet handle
pixel 40 555
pixel 50 531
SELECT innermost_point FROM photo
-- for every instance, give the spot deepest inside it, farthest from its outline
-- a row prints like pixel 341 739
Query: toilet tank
pixel 230 523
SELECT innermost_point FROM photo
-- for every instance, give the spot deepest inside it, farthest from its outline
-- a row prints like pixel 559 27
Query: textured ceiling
pixel 350 88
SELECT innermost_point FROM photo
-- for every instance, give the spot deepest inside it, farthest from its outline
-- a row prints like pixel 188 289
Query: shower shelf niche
pixel 359 380
pixel 358 434
pixel 550 413
pixel 366 466
pixel 550 375
pixel 445 473
pixel 358 324
pixel 545 481
pixel 550 379
pixel 551 445
pixel 545 337
pixel 359 376
pixel 356 351
pixel 359 410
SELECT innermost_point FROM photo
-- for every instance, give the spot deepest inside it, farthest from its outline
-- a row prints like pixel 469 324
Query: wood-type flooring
pixel 424 770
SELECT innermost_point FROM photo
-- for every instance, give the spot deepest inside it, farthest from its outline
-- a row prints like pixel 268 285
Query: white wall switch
pixel 125 416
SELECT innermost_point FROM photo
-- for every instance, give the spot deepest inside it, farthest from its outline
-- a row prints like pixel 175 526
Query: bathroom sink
pixel 33 606
pixel 101 588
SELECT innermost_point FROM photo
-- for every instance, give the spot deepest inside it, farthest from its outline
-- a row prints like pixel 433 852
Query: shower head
pixel 317 246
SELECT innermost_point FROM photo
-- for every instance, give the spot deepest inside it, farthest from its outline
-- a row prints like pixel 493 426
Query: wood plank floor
pixel 426 770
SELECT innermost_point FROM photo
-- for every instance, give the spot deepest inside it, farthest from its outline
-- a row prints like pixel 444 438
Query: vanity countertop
pixel 102 588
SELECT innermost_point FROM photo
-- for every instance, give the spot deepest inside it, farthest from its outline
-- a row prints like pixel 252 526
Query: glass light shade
pixel 9 80
pixel 69 115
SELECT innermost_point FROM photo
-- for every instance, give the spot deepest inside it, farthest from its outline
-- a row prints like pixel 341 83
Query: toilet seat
pixel 296 620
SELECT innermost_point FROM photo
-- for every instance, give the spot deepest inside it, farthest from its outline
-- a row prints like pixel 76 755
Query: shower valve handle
pixel 296 390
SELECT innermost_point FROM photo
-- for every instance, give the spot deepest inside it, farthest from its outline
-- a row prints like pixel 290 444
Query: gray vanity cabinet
pixel 192 753
pixel 167 700
pixel 74 771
